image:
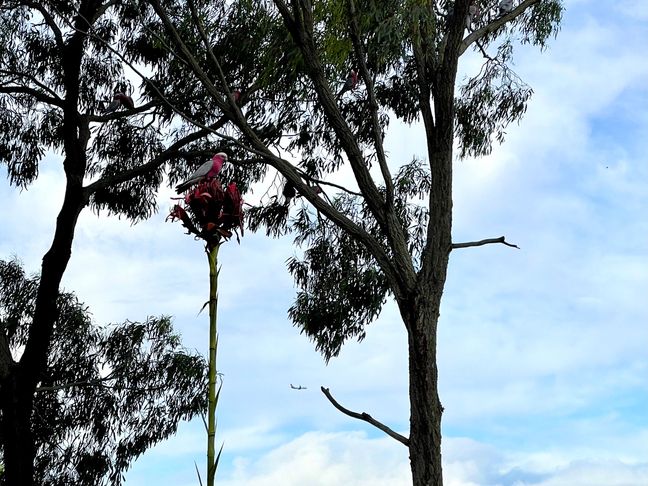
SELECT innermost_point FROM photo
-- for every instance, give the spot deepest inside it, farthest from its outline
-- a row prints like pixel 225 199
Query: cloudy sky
pixel 543 350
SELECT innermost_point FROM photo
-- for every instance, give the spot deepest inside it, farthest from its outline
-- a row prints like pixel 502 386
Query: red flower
pixel 210 212
pixel 232 213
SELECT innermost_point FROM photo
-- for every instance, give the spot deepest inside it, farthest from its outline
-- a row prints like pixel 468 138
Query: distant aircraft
pixel 298 387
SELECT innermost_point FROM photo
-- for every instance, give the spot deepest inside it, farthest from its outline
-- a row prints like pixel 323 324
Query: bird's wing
pixel 202 171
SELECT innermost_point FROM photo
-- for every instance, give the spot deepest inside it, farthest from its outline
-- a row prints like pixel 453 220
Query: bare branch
pixel 494 25
pixel 38 95
pixel 337 186
pixel 483 51
pixel 121 114
pixel 366 417
pixel 304 175
pixel 96 381
pixel 64 386
pixel 487 241
pixel 34 80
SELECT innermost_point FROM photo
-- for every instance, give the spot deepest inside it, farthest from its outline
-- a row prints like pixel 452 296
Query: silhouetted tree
pixel 63 63
pixel 107 393
pixel 388 232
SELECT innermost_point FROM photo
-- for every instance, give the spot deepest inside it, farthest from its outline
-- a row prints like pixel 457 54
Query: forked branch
pixel 494 25
pixel 366 417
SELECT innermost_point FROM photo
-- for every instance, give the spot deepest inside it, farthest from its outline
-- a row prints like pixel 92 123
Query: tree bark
pixel 421 313
pixel 15 429
pixel 425 406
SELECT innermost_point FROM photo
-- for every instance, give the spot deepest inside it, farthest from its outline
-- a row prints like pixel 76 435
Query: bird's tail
pixel 180 188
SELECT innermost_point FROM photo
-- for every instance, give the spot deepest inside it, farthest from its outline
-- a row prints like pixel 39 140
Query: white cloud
pixel 323 459
pixel 353 459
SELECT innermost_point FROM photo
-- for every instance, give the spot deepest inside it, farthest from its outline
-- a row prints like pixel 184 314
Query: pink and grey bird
pixel 473 13
pixel 350 83
pixel 120 99
pixel 126 101
pixel 208 170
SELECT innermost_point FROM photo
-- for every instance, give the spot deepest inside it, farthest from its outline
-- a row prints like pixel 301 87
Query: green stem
pixel 212 254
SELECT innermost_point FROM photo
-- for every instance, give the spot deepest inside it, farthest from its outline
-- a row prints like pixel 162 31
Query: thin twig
pixel 487 241
pixel 367 418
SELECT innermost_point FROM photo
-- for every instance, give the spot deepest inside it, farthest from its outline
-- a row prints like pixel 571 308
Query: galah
pixel 473 13
pixel 120 99
pixel 288 192
pixel 350 83
pixel 126 100
pixel 114 104
pixel 506 6
pixel 208 170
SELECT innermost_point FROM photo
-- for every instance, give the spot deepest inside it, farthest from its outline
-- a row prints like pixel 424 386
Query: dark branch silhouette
pixel 487 241
pixel 367 418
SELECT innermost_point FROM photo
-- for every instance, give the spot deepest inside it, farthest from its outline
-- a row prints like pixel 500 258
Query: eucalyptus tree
pixel 63 62
pixel 108 393
pixel 386 234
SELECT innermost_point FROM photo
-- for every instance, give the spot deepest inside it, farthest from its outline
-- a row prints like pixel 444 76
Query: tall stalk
pixel 212 459
pixel 213 214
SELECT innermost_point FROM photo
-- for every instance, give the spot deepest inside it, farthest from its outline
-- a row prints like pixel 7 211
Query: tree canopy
pixel 108 392
pixel 289 60
pixel 325 80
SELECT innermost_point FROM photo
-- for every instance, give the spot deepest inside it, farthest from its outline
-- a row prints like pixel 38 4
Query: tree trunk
pixel 421 314
pixel 425 406
pixel 15 429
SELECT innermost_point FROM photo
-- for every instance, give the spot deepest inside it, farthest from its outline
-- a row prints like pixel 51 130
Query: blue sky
pixel 543 351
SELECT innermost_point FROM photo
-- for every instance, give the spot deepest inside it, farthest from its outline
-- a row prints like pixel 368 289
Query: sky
pixel 543 351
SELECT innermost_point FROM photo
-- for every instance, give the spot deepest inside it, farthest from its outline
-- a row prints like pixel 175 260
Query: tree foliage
pixel 402 47
pixel 108 393
pixel 62 61
pixel 388 228
pixel 127 151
